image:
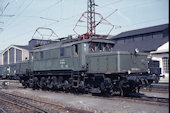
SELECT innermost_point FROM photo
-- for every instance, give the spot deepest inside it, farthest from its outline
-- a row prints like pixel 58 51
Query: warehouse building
pixel 18 53
pixel 152 40
pixel 162 55
pixel 14 54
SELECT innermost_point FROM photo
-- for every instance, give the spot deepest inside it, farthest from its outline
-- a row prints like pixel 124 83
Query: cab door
pixel 76 57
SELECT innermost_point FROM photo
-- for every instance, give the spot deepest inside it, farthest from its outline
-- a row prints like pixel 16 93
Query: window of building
pixel 11 55
pixel 165 61
pixel 31 56
pixel 18 55
pixel 5 57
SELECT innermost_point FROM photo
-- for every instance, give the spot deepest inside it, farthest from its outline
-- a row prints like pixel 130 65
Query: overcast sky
pixel 20 18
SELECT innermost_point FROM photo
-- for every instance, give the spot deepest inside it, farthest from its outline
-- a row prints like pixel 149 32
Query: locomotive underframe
pixel 83 82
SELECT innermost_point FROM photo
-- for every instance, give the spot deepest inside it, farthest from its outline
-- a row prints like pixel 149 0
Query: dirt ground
pixel 92 103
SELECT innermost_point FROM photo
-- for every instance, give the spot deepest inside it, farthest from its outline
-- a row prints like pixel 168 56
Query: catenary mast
pixel 91 18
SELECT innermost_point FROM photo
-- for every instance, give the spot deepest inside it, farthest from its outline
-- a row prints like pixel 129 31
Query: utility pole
pixel 91 18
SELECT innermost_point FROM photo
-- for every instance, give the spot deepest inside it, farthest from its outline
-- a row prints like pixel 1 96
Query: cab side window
pixel 61 51
pixel 75 50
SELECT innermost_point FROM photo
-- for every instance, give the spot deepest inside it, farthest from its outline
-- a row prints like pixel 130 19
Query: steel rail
pixel 132 98
pixel 138 98
pixel 37 100
pixel 32 105
pixel 1 109
pixel 14 103
pixel 144 99
pixel 52 104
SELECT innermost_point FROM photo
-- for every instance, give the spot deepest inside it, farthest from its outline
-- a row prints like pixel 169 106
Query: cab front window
pixel 100 47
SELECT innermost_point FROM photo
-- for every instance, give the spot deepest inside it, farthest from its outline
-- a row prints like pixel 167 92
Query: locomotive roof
pixel 66 43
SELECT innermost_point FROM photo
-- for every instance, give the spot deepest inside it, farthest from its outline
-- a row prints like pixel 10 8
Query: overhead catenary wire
pixel 3 9
pixel 7 25
pixel 21 11
pixel 17 10
pixel 121 26
pixel 103 6
pixel 67 18
pixel 49 19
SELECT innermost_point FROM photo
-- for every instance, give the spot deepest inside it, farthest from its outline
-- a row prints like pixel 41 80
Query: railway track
pixel 155 90
pixel 135 98
pixel 13 104
pixel 149 100
pixel 48 106
pixel 158 88
pixel 2 110
pixel 141 99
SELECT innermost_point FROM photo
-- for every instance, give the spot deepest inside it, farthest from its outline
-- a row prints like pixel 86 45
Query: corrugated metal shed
pixel 147 42
pixel 143 46
pixel 141 31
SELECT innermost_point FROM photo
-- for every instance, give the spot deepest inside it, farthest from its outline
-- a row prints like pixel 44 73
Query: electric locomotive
pixel 88 65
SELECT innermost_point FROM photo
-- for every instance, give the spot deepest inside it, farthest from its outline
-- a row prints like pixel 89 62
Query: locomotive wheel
pixel 42 83
pixel 24 83
pixel 53 83
pixel 48 82
pixel 31 83
pixel 105 91
pixel 35 81
pixel 102 87
pixel 106 87
pixel 124 92
pixel 66 86
pixel 82 87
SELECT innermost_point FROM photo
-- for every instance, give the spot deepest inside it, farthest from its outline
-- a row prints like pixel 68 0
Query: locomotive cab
pixel 101 58
pixel 82 49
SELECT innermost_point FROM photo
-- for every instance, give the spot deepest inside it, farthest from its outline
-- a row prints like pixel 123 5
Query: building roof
pixel 146 45
pixel 162 49
pixel 24 47
pixel 16 46
pixel 141 31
